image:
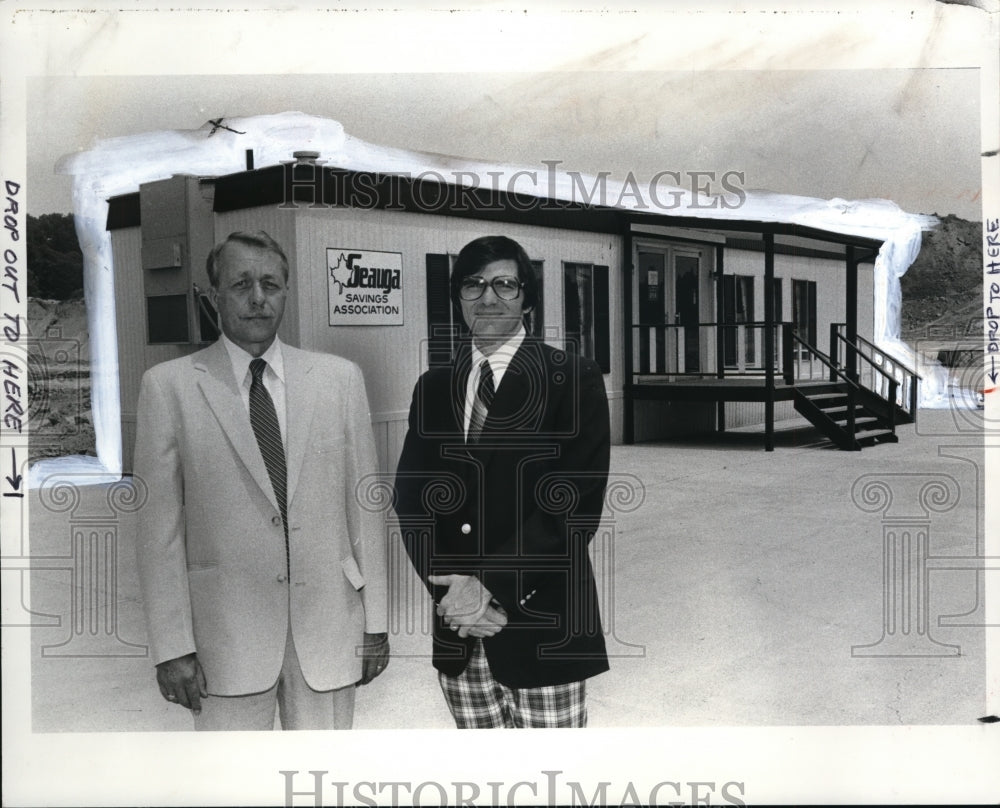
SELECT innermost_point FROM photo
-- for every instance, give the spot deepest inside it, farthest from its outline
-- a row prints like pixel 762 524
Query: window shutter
pixel 440 331
pixel 602 319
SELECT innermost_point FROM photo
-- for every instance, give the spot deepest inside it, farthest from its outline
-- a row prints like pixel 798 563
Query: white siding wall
pixel 392 357
pixel 866 301
pixel 831 288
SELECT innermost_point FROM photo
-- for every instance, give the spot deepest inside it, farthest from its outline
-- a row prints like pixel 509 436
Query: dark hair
pixel 485 250
pixel 260 239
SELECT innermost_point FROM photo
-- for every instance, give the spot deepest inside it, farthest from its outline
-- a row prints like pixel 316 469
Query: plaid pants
pixel 478 701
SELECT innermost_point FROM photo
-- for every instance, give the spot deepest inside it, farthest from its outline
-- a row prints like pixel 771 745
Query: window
pixel 586 326
pixel 804 310
pixel 737 309
pixel 167 319
pixel 444 322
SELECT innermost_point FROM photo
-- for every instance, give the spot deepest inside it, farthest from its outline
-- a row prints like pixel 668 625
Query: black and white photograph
pixel 625 372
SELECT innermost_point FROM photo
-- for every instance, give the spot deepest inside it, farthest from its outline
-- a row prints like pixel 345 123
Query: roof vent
pixel 308 157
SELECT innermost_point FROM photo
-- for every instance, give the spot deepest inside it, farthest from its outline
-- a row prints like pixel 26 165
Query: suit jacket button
pixel 275 520
pixel 466 529
pixel 282 579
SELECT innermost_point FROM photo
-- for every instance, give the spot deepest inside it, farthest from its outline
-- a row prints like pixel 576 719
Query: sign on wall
pixel 365 286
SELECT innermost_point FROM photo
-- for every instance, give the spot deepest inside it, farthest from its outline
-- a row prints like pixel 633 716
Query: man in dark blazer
pixel 263 576
pixel 499 490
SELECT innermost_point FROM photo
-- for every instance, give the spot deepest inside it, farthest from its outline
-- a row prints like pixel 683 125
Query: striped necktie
pixel 264 420
pixel 481 403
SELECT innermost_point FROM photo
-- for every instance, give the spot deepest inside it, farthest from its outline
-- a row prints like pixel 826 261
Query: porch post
pixel 628 280
pixel 768 341
pixel 720 353
pixel 851 312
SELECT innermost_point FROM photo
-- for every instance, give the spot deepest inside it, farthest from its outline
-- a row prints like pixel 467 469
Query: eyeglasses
pixel 506 287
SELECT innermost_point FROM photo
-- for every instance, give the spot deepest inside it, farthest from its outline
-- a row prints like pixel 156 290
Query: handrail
pixel 868 359
pixel 908 384
pixel 852 386
pixel 875 347
pixel 824 360
pixel 666 357
pixel 713 324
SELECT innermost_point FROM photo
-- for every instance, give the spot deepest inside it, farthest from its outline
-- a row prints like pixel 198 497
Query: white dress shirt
pixel 499 362
pixel 274 377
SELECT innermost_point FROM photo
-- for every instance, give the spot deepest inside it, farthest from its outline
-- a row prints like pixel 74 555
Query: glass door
pixel 651 336
pixel 687 312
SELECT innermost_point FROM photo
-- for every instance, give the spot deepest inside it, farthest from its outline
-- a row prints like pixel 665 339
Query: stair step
pixel 840 413
pixel 829 408
pixel 876 436
pixel 814 389
pixel 825 400
pixel 860 422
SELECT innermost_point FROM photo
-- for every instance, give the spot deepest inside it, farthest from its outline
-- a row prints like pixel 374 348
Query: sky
pixel 907 134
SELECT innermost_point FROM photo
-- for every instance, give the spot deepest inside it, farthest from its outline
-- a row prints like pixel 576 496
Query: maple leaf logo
pixel 341 273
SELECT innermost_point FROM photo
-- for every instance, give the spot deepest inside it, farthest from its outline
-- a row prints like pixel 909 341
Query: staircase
pixel 860 409
pixel 866 421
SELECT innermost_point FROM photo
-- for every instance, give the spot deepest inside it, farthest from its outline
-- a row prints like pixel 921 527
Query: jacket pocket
pixel 328 446
pixel 197 566
pixel 353 572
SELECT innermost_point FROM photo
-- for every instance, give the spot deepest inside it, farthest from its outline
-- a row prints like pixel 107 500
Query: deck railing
pixel 720 350
pixel 875 370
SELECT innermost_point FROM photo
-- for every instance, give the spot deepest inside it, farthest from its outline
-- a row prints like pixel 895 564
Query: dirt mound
pixel 943 289
pixel 59 411
pixel 63 319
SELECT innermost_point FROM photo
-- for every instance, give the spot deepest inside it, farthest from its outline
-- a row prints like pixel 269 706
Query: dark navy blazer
pixel 517 510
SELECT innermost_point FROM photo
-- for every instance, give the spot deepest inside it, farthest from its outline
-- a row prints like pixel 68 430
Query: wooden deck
pixel 711 388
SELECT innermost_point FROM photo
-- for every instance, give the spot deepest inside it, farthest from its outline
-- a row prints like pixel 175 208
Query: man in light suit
pixel 263 577
pixel 499 490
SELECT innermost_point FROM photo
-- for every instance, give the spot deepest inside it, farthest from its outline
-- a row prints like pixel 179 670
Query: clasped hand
pixel 467 607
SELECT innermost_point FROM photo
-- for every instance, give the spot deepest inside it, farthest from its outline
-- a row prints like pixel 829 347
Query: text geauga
pixel 545 790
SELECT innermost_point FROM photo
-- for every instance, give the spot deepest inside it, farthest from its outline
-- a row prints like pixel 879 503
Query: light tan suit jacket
pixel 211 547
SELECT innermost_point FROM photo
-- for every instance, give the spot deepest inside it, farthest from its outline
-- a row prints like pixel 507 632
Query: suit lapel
pixel 300 406
pixel 452 423
pixel 218 385
pixel 459 380
pixel 515 391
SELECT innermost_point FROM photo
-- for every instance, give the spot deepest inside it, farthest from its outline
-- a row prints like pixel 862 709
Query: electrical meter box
pixel 177 235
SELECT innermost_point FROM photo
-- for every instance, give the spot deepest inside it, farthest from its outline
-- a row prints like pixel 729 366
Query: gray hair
pixel 260 239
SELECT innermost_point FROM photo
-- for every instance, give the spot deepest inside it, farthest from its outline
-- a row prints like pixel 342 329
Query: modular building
pixel 699 323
